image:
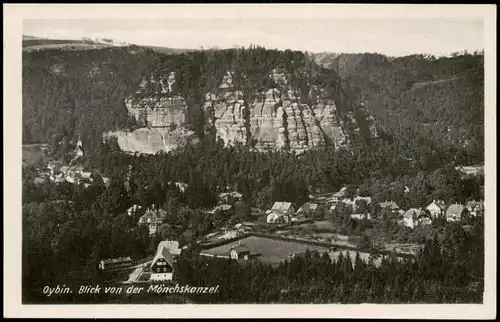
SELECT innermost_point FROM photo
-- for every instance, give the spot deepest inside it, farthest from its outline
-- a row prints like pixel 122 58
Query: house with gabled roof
pixel 411 216
pixel 456 212
pixel 366 216
pixel 240 252
pixel 152 219
pixel 281 211
pixel 475 207
pixel 54 166
pixel 391 205
pixel 436 208
pixel 230 197
pixel 308 208
pixel 162 266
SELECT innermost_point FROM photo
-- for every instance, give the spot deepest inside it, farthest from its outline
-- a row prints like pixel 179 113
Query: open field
pixel 318 225
pixel 322 231
pixel 273 251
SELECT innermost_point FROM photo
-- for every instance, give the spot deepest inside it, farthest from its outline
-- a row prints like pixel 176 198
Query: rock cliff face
pixel 161 116
pixel 279 117
pixel 276 118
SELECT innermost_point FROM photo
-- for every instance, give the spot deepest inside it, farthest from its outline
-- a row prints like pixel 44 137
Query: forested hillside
pixel 421 99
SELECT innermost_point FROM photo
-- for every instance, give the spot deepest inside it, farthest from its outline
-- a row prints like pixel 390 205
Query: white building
pixel 436 208
pixel 280 212
pixel 475 207
pixel 162 266
pixel 361 216
pixel 411 216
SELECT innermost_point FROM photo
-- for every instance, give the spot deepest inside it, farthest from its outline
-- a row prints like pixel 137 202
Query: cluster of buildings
pixel 226 201
pixel 284 212
pixel 57 172
pixel 437 208
pixel 161 267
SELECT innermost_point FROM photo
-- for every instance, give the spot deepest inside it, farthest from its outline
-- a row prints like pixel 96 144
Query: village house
pixel 39 180
pixel 366 216
pixel 172 246
pixel 299 217
pixel 436 208
pixel 424 221
pixel 113 263
pixel 354 202
pixel 318 199
pixel 456 212
pixel 240 252
pixel 338 196
pixel 229 234
pixel 281 212
pixel 54 167
pixel 106 181
pixel 367 199
pixel 230 197
pixel 133 210
pixel 79 149
pixel 391 205
pixel 223 208
pixel 475 207
pixel 64 169
pixel 162 266
pixel 152 219
pixel 411 216
pixel 86 175
pixel 180 185
pixel 245 226
pixel 306 210
pixel 474 170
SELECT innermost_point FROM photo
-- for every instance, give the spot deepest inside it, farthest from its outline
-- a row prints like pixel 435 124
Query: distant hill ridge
pixel 32 43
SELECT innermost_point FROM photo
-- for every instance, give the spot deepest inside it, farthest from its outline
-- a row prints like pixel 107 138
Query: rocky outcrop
pixel 276 118
pixel 161 115
pixel 153 140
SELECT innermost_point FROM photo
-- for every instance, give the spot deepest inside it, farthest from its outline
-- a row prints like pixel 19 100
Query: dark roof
pixel 474 204
pixel 411 211
pixel 116 260
pixel 241 249
pixel 163 253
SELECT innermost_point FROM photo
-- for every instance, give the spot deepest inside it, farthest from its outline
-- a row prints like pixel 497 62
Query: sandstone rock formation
pixel 276 118
pixel 279 117
pixel 162 116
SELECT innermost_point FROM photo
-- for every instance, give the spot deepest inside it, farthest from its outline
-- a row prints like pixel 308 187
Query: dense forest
pixel 68 228
pixel 420 99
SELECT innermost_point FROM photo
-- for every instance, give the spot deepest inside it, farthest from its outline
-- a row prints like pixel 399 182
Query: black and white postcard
pixel 250 161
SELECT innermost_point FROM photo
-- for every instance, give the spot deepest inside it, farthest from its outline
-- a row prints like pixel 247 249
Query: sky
pixel 389 36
